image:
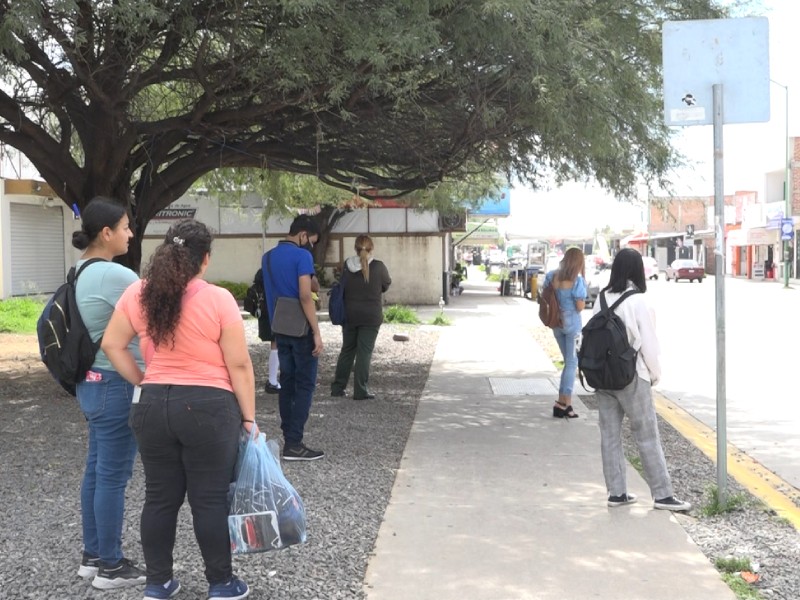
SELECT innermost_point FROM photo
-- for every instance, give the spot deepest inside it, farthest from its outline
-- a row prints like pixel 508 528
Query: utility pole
pixel 787 191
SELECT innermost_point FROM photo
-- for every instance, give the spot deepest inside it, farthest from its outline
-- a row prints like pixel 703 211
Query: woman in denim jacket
pixel 569 283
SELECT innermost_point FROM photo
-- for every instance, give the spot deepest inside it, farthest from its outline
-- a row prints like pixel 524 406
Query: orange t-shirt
pixel 196 358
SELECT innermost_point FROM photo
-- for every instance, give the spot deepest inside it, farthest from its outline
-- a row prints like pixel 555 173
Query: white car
pixel 650 267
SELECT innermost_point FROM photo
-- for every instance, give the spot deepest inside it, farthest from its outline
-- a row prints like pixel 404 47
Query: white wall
pixel 407 241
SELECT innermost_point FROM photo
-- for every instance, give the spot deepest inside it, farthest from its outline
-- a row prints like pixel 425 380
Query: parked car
pixel 684 268
pixel 650 267
pixel 593 276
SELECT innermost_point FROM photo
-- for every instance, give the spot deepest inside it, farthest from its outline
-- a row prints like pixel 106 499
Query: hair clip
pixel 178 240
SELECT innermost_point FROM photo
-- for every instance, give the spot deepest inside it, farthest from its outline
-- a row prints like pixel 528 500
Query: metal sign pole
pixel 719 283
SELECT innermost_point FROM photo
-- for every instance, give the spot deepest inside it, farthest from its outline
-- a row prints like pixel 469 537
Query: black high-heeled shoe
pixel 564 413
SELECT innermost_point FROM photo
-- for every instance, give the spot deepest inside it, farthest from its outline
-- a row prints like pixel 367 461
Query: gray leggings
pixel 636 401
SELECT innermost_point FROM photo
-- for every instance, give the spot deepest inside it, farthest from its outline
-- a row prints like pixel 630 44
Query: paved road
pixel 762 334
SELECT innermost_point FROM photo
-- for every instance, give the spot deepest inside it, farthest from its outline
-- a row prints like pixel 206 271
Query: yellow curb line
pixel 759 481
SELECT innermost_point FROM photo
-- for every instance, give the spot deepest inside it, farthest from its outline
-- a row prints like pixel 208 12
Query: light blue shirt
pixel 98 288
pixel 570 317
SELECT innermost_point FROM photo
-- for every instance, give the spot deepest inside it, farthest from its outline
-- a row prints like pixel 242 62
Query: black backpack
pixel 255 299
pixel 606 359
pixel 66 348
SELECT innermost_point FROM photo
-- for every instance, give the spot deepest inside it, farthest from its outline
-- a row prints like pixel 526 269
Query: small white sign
pixel 688 114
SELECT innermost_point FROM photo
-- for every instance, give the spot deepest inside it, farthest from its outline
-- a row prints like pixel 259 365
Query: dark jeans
pixel 357 346
pixel 188 440
pixel 298 380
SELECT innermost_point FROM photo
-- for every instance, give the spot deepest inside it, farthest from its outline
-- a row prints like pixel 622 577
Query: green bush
pixel 440 319
pixel 19 315
pixel 397 313
pixel 493 277
pixel 713 506
pixel 733 564
pixel 237 289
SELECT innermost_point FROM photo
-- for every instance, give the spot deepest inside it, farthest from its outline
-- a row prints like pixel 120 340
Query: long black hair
pixel 174 263
pixel 99 213
pixel 627 266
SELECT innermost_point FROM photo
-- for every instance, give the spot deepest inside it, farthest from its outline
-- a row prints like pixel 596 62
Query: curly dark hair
pixel 174 263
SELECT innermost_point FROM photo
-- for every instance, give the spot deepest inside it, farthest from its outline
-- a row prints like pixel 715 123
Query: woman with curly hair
pixel 196 393
pixel 570 287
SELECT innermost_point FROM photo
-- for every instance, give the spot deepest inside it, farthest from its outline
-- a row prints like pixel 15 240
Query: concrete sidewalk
pixel 497 500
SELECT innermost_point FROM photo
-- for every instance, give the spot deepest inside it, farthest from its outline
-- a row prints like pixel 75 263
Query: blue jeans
pixel 566 339
pixel 188 439
pixel 298 380
pixel 109 463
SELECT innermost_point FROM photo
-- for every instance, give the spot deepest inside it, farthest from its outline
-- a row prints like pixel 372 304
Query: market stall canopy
pixel 636 238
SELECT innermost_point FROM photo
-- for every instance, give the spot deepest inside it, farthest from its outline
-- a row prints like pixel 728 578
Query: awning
pixel 636 238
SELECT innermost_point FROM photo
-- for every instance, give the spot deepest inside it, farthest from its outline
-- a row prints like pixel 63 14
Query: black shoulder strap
pixel 72 278
pixel 621 298
pixel 73 275
pixel 603 303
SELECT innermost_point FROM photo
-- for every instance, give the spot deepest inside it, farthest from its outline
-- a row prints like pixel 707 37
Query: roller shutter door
pixel 37 249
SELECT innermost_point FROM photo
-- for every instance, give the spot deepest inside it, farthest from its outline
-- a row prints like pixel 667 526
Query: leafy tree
pixel 139 99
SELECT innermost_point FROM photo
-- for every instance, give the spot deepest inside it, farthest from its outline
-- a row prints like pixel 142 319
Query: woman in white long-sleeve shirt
pixel 635 400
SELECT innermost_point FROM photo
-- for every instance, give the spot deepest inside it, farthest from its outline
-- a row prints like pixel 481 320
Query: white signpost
pixel 717 72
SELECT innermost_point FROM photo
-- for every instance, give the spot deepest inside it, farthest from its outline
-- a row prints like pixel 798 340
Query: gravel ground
pixel 752 531
pixel 42 452
pixel 42 448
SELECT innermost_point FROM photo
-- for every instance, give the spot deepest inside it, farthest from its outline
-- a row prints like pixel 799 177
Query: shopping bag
pixel 266 512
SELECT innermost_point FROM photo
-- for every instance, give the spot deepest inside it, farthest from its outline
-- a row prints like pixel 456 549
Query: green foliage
pixel 741 589
pixel 396 313
pixel 713 506
pixel 322 276
pixel 440 319
pixel 636 463
pixel 140 99
pixel 732 564
pixel 730 568
pixel 238 289
pixel 19 315
pixel 493 276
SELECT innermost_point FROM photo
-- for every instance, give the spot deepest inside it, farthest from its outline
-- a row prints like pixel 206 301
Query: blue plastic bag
pixel 266 512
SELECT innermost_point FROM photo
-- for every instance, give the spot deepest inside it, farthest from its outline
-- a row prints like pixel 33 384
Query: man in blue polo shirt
pixel 288 269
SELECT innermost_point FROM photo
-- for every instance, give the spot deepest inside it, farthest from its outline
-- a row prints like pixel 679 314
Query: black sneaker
pixel 125 574
pixel 621 500
pixel 672 503
pixel 301 452
pixel 89 566
pixel 271 389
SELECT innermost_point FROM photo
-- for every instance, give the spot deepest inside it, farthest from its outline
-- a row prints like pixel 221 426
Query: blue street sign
pixel 787 229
